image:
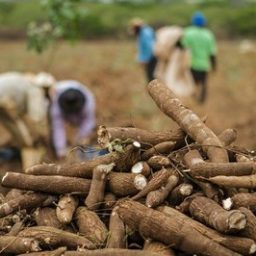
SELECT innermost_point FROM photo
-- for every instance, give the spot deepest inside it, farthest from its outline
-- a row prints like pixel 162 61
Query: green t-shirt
pixel 201 43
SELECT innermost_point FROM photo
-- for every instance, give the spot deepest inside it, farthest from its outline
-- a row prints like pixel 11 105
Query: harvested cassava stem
pixel 66 208
pixel 241 245
pixel 26 201
pixel 82 170
pixel 208 211
pixel 193 157
pixel 188 121
pixel 122 184
pixel 171 231
pixel 106 135
pixel 208 170
pixel 247 200
pixel 157 162
pixel 97 190
pixel 17 245
pixel 248 181
pixel 52 237
pixel 47 217
pixel 162 148
pixel 91 226
pixel 58 252
pixel 179 193
pixel 16 228
pixel 228 136
pixel 157 247
pixel 49 184
pixel 117 235
pixel 159 179
pixel 155 198
pixel 141 168
pixel 109 200
pixel 250 229
pixel 129 157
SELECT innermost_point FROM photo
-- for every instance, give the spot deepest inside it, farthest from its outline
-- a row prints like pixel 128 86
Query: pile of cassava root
pixel 183 192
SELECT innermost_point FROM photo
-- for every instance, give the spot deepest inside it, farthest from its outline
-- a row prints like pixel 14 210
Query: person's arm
pixel 58 130
pixel 213 59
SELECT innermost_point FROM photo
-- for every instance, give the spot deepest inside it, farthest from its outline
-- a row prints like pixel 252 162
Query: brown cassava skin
pixel 106 135
pixel 240 245
pixel 48 184
pixel 52 238
pixel 158 162
pixel 66 208
pixel 170 231
pixel 248 181
pixel 228 136
pixel 47 217
pixel 90 226
pixel 82 170
pixel 162 148
pixel 111 252
pixel 157 247
pixel 122 184
pixel 13 194
pixel 17 245
pixel 208 170
pixel 209 212
pixel 247 200
pixel 16 228
pixel 179 193
pixel 188 121
pixel 117 232
pixel 145 169
pixel 109 200
pixel 26 201
pixel 97 190
pixel 193 157
pixel 128 158
pixel 159 179
pixel 57 252
pixel 155 198
pixel 250 229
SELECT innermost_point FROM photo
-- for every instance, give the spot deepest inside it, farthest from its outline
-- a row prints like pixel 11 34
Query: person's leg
pixel 150 68
pixel 200 79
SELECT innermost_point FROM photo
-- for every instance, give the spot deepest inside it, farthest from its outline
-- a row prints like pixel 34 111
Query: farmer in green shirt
pixel 202 46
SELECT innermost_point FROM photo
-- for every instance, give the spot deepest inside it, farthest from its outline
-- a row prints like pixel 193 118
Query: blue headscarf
pixel 198 19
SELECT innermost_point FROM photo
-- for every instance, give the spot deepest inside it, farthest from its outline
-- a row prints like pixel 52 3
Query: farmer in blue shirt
pixel 145 43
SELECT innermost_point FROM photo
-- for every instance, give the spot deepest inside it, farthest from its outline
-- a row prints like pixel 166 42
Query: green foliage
pixel 63 21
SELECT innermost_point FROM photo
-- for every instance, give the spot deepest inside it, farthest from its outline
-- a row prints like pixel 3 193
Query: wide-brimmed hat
pixel 135 22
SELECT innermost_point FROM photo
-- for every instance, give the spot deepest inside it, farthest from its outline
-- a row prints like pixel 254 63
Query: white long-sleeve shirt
pixel 84 120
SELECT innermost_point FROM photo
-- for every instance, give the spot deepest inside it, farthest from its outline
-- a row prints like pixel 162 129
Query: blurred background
pixel 95 49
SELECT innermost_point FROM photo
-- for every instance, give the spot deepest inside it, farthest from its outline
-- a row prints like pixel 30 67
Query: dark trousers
pixel 200 78
pixel 150 68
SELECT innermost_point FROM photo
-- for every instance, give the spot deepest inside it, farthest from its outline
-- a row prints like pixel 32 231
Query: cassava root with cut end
pixel 240 245
pixel 158 162
pixel 81 170
pixel 141 168
pixel 188 121
pixel 247 200
pixel 17 245
pixel 25 201
pixel 158 179
pixel 48 184
pixel 179 193
pixel 209 212
pixel 108 134
pixel 228 136
pixel 171 231
pixel 66 208
pixel 250 228
pixel 97 189
pixel 155 198
pixel 50 237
